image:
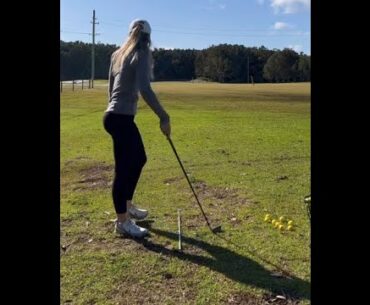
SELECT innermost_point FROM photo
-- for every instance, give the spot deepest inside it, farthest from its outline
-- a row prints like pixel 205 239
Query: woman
pixel 130 72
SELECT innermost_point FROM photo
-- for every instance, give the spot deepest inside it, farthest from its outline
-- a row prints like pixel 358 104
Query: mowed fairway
pixel 247 151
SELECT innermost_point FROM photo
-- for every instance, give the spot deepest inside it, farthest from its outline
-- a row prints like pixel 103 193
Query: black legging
pixel 129 155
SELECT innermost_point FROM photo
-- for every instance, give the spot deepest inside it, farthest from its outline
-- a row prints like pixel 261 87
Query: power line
pixel 204 28
pixel 231 35
pixel 111 23
pixel 270 33
pixel 223 30
pixel 74 32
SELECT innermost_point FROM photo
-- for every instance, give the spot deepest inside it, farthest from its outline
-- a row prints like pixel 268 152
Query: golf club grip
pixel 187 178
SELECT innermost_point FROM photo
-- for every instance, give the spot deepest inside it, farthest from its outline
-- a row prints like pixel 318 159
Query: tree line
pixel 223 63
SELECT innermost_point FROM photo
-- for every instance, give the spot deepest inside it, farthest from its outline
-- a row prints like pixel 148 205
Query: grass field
pixel 247 151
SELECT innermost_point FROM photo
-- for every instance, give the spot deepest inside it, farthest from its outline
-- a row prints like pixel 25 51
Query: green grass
pixel 238 140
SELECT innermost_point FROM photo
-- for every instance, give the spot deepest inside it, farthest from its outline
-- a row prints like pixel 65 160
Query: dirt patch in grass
pixel 94 176
pixel 108 241
pixel 76 160
pixel 248 299
pixel 117 244
pixel 219 193
pixel 172 180
pixel 68 243
pixel 219 203
pixel 65 222
pixel 91 242
pixel 279 178
pixel 223 152
pixel 158 293
pixel 84 174
pixel 161 287
pixel 164 288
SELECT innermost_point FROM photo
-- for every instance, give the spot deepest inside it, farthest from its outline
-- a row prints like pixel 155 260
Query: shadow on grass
pixel 233 265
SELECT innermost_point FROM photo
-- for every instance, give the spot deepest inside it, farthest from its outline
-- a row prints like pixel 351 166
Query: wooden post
pixel 61 86
pixel 73 85
pixel 82 84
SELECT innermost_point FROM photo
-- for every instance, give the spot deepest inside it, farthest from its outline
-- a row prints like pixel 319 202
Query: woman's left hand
pixel 166 129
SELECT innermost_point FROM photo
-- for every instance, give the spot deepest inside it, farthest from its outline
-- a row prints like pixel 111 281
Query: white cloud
pixel 281 26
pixel 214 5
pixel 296 47
pixel 290 6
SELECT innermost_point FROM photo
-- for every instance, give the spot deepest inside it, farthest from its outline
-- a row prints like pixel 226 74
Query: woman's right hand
pixel 166 129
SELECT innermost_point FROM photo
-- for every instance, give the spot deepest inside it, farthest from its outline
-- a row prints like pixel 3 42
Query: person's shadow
pixel 233 265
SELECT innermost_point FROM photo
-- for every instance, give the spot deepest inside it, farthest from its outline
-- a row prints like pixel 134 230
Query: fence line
pixel 72 83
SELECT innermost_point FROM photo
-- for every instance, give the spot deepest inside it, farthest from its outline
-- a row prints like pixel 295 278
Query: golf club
pixel 215 229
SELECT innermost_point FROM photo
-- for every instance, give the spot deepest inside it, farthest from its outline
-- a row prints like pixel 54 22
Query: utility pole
pixel 248 68
pixel 93 50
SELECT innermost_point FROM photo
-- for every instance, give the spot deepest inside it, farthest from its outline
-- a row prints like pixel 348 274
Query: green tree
pixel 282 66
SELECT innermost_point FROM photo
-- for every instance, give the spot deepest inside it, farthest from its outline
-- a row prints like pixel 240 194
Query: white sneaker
pixel 137 213
pixel 129 227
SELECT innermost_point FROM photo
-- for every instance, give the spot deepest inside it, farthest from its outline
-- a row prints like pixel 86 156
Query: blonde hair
pixel 135 41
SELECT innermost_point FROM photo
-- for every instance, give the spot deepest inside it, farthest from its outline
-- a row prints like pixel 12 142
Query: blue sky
pixel 194 24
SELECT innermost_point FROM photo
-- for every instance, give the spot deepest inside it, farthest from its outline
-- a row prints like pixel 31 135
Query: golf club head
pixel 217 229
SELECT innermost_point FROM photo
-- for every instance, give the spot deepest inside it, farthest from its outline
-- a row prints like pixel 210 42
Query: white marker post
pixel 179 228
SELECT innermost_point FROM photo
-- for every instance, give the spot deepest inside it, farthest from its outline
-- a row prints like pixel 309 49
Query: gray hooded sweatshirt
pixel 123 88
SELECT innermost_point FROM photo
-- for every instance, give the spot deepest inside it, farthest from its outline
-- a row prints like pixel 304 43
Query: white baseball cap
pixel 145 26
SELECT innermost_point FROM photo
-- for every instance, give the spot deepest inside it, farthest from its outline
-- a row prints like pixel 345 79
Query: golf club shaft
pixel 187 178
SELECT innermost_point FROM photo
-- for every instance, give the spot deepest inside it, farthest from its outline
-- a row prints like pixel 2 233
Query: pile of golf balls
pixel 281 223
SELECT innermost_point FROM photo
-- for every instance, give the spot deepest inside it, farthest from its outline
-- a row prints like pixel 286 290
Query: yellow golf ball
pixel 273 221
pixel 290 228
pixel 282 218
pixel 267 219
pixel 277 224
pixel 290 222
pixel 267 215
pixel 281 227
